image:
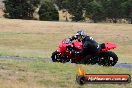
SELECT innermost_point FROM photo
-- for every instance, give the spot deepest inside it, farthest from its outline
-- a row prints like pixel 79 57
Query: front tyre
pixel 108 58
pixel 56 57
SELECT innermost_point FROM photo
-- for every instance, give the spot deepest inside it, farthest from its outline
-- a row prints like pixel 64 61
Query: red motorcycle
pixel 64 54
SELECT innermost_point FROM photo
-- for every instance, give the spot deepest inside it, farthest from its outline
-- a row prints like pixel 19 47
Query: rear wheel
pixel 108 58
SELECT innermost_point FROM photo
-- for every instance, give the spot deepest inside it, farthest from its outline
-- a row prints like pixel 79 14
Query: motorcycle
pixel 65 54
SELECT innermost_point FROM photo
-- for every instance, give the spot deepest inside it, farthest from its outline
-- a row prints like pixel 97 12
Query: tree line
pixel 24 9
pixel 95 10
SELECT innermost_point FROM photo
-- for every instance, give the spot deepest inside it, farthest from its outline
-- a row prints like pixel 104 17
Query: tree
pixel 48 12
pixel 62 4
pixel 112 9
pixel 77 8
pixel 74 7
pixel 95 11
pixel 127 10
pixel 20 9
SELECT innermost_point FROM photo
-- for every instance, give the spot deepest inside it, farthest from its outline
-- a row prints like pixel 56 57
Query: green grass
pixel 48 75
pixel 39 39
pixel 26 45
pixel 42 45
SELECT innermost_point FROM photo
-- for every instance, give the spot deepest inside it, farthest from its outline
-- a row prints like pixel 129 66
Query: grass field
pixel 26 38
pixel 22 74
pixel 39 39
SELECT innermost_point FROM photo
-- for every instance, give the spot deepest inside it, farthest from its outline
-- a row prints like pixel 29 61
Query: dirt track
pixel 119 65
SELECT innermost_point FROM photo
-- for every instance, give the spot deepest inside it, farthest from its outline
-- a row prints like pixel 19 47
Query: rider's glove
pixel 67 41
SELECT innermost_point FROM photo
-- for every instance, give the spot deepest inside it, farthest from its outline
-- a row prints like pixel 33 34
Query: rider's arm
pixel 72 38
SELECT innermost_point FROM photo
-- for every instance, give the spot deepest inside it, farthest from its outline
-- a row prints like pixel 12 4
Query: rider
pixel 89 45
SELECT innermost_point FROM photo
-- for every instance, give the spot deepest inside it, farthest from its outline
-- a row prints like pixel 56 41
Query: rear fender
pixel 109 46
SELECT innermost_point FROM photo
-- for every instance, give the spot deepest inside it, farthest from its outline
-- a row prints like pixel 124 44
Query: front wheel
pixel 56 57
pixel 108 58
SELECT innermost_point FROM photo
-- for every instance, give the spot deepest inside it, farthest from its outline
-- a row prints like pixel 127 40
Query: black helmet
pixel 81 33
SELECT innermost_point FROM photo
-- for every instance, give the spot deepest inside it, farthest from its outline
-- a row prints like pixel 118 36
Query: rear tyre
pixel 108 58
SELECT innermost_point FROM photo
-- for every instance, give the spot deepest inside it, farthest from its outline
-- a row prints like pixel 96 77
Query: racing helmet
pixel 80 34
